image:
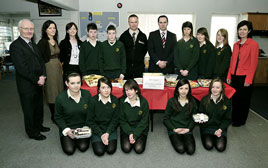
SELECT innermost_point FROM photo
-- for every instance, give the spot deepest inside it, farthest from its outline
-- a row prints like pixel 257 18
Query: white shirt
pixel 216 102
pixel 74 60
pixel 201 44
pixel 70 96
pixel 105 101
pixel 220 45
pixel 137 104
pixel 164 32
pixel 94 45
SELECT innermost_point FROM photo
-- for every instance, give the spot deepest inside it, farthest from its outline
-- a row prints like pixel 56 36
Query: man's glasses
pixel 27 29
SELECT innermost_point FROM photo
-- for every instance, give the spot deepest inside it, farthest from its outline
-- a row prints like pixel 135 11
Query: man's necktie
pixel 133 37
pixel 163 39
pixel 31 46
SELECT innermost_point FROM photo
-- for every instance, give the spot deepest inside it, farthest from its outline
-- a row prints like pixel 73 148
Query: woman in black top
pixel 69 47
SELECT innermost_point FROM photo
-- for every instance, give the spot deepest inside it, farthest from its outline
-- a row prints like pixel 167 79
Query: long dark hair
pixel 106 81
pixel 68 26
pixel 131 84
pixel 189 97
pixel 207 101
pixel 44 28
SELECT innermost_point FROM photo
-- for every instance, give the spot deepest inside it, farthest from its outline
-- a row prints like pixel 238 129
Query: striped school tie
pixel 163 39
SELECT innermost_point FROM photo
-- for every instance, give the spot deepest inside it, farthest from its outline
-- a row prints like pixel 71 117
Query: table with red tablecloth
pixel 158 99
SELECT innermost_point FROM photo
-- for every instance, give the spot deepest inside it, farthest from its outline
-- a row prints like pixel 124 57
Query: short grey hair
pixel 23 20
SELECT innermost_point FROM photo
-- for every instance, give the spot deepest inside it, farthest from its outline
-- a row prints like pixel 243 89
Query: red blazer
pixel 248 59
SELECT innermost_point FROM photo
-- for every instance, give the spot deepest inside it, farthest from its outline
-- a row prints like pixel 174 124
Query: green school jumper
pixel 206 62
pixel 134 120
pixel 70 114
pixel 103 118
pixel 186 57
pixel 178 119
pixel 89 58
pixel 220 115
pixel 113 59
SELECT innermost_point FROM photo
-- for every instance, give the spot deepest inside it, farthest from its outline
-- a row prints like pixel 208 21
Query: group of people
pixel 53 65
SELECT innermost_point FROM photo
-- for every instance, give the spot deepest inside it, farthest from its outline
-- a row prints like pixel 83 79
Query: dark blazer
pixel 157 52
pixel 134 53
pixel 29 65
pixel 43 46
pixel 66 50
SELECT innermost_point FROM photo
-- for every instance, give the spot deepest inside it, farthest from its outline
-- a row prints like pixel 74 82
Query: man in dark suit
pixel 135 42
pixel 30 77
pixel 161 44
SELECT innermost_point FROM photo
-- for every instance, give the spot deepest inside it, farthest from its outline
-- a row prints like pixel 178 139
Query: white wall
pixel 203 10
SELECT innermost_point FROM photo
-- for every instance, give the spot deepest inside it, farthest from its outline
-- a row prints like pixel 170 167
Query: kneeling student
pixel 134 118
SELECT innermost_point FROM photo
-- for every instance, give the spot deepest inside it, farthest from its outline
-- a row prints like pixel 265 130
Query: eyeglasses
pixel 27 29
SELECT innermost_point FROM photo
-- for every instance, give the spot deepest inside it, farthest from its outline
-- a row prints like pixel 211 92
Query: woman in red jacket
pixel 242 68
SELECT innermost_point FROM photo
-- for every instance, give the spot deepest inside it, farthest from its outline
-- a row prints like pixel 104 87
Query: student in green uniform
pixel 178 118
pixel 223 55
pixel 186 53
pixel 113 57
pixel 90 50
pixel 206 62
pixel 103 119
pixel 134 118
pixel 219 110
pixel 71 113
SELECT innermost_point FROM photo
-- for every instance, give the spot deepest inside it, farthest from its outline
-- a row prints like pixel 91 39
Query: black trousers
pixel 32 107
pixel 240 100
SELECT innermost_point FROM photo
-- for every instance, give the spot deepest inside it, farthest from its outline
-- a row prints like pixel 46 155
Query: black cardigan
pixel 45 50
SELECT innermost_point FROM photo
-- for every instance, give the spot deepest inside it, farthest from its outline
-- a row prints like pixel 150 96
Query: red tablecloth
pixel 157 99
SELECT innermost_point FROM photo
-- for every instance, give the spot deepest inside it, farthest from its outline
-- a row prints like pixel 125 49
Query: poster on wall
pixel 102 19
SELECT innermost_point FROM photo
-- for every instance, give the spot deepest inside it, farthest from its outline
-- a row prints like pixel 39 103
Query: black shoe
pixel 44 129
pixel 39 137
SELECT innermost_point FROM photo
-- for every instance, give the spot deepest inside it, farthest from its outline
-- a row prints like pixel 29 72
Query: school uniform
pixel 206 61
pixel 89 58
pixel 186 57
pixel 176 117
pixel 113 59
pixel 223 56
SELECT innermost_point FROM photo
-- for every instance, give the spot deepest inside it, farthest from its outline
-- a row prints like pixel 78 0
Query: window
pixel 228 22
pixel 148 22
pixel 5 35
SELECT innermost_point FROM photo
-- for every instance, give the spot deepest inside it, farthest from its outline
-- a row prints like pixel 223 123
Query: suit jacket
pixel 29 65
pixel 134 53
pixel 157 52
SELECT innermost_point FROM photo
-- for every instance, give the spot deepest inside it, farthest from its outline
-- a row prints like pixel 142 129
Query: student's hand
pixel 105 138
pixel 246 84
pixel 70 134
pixel 131 139
pixel 185 73
pixel 184 130
pixel 121 76
pixel 177 130
pixel 218 133
pixel 228 81
pixel 162 64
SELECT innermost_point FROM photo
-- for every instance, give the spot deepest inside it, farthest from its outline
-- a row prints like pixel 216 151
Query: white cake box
pixel 153 81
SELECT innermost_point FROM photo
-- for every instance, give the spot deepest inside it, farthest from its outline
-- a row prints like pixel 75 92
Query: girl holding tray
pixel 134 118
pixel 71 110
pixel 104 118
pixel 178 118
pixel 219 111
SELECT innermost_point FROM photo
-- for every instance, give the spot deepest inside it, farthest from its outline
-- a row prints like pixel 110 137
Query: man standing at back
pixel 30 77
pixel 161 44
pixel 135 42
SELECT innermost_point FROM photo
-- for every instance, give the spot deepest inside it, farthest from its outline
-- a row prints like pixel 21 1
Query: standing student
pixel 178 118
pixel 241 72
pixel 134 118
pixel 89 56
pixel 30 78
pixel 72 108
pixel 219 110
pixel 48 45
pixel 207 53
pixel 186 54
pixel 69 47
pixel 113 57
pixel 135 42
pixel 104 118
pixel 223 55
pixel 161 44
